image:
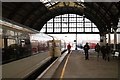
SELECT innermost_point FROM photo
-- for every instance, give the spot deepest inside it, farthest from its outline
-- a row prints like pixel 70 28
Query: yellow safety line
pixel 63 70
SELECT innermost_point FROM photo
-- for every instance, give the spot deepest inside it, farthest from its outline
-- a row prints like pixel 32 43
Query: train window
pixel 50 44
pixel 12 33
pixel 11 41
pixel 0 37
pixel 19 33
pixel 16 34
pixel 0 31
pixel 2 43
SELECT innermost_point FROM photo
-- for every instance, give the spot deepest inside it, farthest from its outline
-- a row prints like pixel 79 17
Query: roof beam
pixel 100 17
pixel 108 12
pixel 30 13
pixel 15 10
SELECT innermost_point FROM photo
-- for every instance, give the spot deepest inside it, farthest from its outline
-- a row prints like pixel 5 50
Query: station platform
pixel 73 66
pixel 22 68
pixel 77 67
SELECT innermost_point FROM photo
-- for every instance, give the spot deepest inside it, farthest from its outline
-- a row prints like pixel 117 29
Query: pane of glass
pixel 8 32
pixel 79 19
pixel 56 24
pixel 49 29
pixel 95 30
pixel 42 30
pixel 58 16
pixel 44 26
pixel 118 30
pixel 0 31
pixel 19 33
pixel 16 33
pixel 11 41
pixel 72 29
pixel 79 24
pixel 49 25
pixel 57 19
pixel 65 15
pixel 64 19
pixel 87 20
pixel 64 29
pixel 2 43
pixel 72 15
pixel 72 19
pixel 12 33
pixel 87 24
pixel 57 29
pixel 87 29
pixel 93 25
pixel 79 16
pixel 72 25
pixel 50 20
pixel 65 24
pixel 79 29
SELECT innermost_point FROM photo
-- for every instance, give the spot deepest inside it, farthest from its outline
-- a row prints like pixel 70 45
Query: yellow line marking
pixel 63 70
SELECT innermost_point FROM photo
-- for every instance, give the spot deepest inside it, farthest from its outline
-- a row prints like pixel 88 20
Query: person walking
pixel 86 48
pixel 68 47
pixel 97 49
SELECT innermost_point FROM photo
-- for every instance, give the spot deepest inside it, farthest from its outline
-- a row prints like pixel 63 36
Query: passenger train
pixel 36 44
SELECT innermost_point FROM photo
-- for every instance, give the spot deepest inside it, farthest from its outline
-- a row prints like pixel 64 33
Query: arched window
pixel 69 23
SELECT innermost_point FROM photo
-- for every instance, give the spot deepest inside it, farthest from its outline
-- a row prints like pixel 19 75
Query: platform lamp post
pixel 109 36
pixel 65 41
pixel 65 38
pixel 76 42
pixel 115 36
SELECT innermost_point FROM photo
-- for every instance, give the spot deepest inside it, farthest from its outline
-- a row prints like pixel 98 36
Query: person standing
pixel 97 49
pixel 107 52
pixel 69 47
pixel 86 48
pixel 103 51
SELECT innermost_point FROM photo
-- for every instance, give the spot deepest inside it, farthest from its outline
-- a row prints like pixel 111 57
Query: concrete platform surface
pixel 78 67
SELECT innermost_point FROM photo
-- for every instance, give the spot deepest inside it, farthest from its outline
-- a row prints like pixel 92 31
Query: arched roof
pixel 36 14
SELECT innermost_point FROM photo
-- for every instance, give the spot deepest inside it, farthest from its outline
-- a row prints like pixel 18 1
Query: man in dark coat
pixel 107 52
pixel 86 48
pixel 103 51
pixel 97 49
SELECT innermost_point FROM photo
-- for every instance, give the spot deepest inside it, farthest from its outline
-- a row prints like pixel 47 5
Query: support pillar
pixel 118 36
pixel 115 39
pixel 76 42
pixel 105 39
pixel 102 39
pixel 109 38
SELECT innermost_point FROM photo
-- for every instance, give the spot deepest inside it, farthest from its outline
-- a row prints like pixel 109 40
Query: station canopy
pixel 105 15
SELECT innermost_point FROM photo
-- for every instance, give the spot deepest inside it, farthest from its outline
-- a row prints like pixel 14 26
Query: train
pixel 34 44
